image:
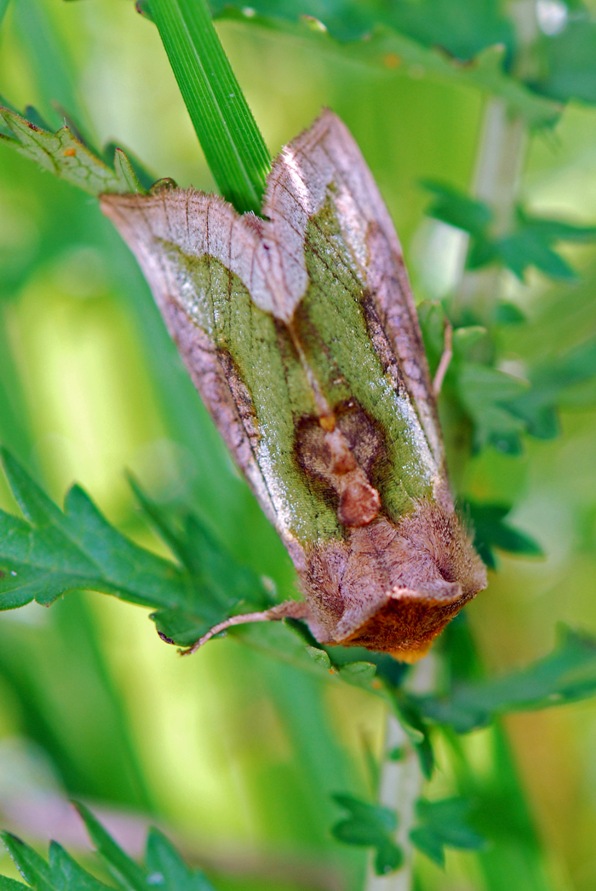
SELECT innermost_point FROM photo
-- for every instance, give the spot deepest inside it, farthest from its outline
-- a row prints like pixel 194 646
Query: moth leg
pixel 291 609
pixel 445 359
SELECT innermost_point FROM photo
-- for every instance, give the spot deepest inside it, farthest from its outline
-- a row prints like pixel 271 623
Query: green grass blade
pixel 229 136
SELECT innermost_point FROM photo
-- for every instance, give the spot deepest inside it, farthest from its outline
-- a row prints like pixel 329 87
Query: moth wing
pixel 326 161
pixel 196 253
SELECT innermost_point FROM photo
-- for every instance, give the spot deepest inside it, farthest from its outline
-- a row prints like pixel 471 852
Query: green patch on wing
pixel 67 156
pixel 268 367
pixel 333 329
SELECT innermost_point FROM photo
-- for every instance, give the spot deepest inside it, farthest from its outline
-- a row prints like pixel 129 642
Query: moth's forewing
pixel 300 332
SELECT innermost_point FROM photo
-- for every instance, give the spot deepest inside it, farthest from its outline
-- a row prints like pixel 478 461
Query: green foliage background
pixel 233 752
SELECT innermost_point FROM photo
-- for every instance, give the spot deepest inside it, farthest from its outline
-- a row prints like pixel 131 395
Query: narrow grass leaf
pixel 234 148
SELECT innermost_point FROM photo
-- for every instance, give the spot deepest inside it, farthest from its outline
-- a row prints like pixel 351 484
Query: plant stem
pixel 399 789
pixel 233 145
pixel 499 165
pixel 496 179
pixel 401 785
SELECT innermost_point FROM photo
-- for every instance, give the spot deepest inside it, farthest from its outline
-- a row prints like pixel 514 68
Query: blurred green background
pixel 235 754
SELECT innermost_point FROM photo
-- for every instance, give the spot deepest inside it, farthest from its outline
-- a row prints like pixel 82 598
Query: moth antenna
pixel 295 609
pixel 446 357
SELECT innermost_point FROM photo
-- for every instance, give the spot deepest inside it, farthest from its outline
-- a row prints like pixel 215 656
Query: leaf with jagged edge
pixel 443 824
pixel 492 530
pixel 566 675
pixel 382 39
pixel 64 154
pixel 163 868
pixel 370 826
pixel 52 552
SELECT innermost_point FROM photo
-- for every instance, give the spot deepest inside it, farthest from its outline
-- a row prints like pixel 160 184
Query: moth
pixel 300 332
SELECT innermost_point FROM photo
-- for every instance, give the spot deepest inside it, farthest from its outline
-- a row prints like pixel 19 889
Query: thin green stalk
pixel 233 145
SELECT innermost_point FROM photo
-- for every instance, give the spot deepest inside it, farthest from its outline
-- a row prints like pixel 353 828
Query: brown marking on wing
pixel 340 450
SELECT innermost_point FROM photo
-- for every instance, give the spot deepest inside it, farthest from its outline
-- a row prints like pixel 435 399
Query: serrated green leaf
pixel 457 209
pixel 415 727
pixel 383 818
pixel 484 393
pixel 551 382
pixel 61 551
pixel 569 61
pixel 128 873
pixel 368 825
pixel 358 673
pixel 461 28
pixel 32 867
pixel 428 843
pixel 207 563
pixel 65 155
pixel 492 531
pixel 371 826
pixel 164 868
pixel 567 675
pixel 526 248
pixel 382 35
pixel 34 503
pixel 444 824
pixel 320 656
pixel 556 230
pixel 388 858
pixel 167 871
pixel 508 314
pixel 358 832
pixel 530 243
pixel 67 875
